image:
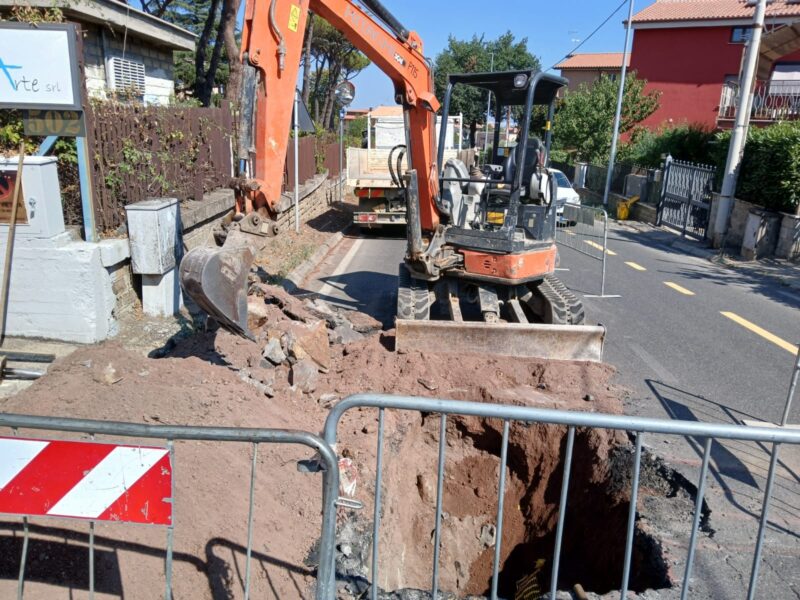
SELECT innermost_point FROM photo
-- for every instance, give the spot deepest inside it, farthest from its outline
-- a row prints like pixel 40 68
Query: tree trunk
pixel 200 74
pixel 213 65
pixel 307 59
pixel 230 9
pixel 473 134
pixel 330 100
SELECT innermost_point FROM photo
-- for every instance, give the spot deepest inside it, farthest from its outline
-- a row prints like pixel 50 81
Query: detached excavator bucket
pixel 527 340
pixel 216 279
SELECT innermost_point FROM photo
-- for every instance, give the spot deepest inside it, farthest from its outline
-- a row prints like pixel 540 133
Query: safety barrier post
pixel 640 426
pixel 326 574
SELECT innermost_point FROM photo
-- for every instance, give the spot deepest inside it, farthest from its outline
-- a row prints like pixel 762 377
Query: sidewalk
pixel 783 271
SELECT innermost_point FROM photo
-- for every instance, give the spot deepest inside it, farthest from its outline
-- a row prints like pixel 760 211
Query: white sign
pixel 38 66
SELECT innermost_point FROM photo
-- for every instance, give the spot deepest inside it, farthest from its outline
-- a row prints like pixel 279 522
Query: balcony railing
pixel 772 101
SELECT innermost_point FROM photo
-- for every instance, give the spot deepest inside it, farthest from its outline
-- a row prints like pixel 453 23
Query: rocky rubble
pixel 294 338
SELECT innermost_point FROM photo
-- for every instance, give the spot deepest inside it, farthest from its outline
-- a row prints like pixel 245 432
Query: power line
pixel 598 28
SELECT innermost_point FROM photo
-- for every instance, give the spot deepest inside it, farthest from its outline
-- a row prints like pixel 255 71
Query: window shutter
pixel 127 75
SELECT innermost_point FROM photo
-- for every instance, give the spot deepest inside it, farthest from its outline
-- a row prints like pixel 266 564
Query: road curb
pixel 754 269
pixel 292 282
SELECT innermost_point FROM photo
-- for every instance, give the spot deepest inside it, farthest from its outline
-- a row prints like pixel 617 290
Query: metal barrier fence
pixel 585 230
pixel 326 584
pixel 637 425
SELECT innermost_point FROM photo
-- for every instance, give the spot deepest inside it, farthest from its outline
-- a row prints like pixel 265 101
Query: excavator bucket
pixel 542 319
pixel 216 279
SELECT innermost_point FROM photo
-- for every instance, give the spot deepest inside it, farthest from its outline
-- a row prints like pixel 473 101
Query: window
pixel 740 35
pixel 127 75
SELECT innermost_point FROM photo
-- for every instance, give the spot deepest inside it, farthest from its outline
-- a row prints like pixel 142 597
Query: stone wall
pixel 316 196
pixel 789 238
pixel 127 289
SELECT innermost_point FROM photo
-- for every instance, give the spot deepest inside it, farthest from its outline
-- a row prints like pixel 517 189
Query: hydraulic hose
pixel 387 17
pixel 278 34
pixel 396 175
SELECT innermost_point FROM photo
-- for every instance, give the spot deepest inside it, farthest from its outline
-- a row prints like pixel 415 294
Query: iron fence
pixel 596 177
pixel 638 426
pixel 585 230
pixel 771 101
pixel 325 586
pixel 686 197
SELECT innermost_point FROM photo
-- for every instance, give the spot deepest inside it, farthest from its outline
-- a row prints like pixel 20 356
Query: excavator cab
pixel 510 195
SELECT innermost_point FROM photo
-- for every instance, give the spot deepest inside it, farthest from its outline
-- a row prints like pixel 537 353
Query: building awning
pixel 775 45
pixel 119 17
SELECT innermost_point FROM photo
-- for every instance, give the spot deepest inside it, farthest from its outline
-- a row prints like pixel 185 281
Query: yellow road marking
pixel 635 266
pixel 762 332
pixel 599 247
pixel 679 288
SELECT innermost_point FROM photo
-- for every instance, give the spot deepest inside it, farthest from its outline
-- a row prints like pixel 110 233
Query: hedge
pixel 770 172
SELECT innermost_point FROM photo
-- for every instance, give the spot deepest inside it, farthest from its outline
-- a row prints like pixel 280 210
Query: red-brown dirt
pixel 217 379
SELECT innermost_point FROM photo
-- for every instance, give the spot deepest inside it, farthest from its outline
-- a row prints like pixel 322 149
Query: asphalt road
pixel 691 340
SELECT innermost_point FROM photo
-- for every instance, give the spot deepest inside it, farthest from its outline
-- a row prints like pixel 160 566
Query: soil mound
pixel 307 356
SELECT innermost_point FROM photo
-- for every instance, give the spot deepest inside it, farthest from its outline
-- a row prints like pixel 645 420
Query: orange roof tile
pixel 597 60
pixel 707 10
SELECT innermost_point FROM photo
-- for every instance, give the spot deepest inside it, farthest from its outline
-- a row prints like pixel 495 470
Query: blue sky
pixel 550 28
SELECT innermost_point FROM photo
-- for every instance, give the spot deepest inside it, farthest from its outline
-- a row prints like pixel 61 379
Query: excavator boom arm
pixel 272 43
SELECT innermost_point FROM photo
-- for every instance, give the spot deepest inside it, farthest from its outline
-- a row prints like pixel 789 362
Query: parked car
pixel 566 195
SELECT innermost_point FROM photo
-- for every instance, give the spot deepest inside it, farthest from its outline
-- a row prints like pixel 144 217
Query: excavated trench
pixel 596 518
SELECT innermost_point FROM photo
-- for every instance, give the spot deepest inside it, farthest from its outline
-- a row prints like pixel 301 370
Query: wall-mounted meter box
pixel 40 215
pixel 154 234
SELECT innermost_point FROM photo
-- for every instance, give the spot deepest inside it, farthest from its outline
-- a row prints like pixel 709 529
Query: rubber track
pixel 565 307
pixel 413 298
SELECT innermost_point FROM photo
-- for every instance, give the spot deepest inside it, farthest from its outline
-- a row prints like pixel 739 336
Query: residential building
pixel 124 49
pixel 586 68
pixel 691 51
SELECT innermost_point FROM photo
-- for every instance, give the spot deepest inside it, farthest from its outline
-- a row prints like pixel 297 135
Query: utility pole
pixel 741 124
pixel 612 157
pixel 488 114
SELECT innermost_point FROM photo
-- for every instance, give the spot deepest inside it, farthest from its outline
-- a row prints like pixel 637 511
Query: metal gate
pixel 686 197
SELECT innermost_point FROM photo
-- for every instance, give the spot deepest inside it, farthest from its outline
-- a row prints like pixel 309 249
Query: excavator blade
pixel 527 340
pixel 216 279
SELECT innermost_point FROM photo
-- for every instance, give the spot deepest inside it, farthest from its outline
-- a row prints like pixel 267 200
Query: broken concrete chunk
pixel 488 535
pixel 345 334
pixel 327 400
pixel 310 341
pixel 304 375
pixel 291 306
pixel 273 351
pixel 361 322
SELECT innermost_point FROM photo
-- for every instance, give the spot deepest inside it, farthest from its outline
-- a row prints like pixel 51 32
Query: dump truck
pixel 374 171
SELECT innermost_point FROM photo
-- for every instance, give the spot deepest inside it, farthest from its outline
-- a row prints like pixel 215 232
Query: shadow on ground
pixel 731 460
pixel 64 562
pixel 711 272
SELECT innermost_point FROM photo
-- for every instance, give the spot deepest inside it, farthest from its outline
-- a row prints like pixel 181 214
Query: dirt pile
pixel 306 357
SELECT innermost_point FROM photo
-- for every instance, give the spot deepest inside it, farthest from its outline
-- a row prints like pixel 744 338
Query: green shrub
pixel 770 172
pixel 686 142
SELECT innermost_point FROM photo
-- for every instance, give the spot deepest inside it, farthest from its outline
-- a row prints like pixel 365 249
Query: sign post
pixel 39 73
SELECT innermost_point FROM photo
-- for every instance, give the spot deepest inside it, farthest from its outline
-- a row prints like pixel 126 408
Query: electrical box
pixel 154 235
pixel 41 213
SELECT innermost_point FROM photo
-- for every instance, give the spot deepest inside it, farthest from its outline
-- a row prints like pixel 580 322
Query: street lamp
pixel 344 94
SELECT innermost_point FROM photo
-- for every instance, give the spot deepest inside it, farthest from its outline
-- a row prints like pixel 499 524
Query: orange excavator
pixel 481 253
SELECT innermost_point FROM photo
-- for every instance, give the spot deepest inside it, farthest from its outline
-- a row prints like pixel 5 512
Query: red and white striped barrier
pixel 86 480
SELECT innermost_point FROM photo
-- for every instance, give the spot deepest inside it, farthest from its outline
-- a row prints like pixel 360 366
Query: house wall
pixel 99 46
pixel 577 77
pixel 688 66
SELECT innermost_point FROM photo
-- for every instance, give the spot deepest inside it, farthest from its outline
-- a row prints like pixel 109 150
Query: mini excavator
pixel 478 274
